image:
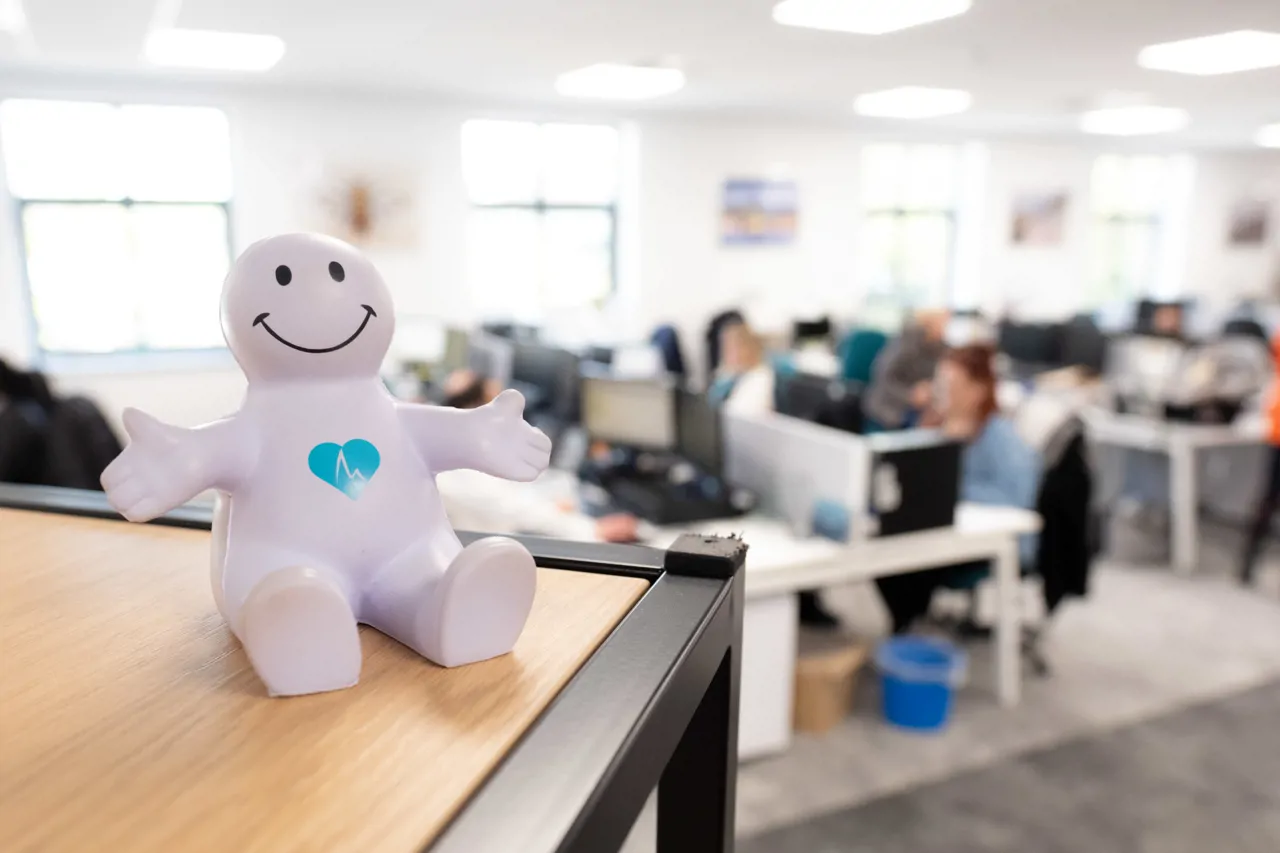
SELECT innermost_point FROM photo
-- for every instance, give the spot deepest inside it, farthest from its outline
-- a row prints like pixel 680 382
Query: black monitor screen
pixel 698 432
pixel 554 373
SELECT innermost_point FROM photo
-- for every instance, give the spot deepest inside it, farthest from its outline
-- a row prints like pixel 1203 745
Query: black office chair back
pixel 1244 327
pixel 1069 537
pixel 836 403
pixel 1084 345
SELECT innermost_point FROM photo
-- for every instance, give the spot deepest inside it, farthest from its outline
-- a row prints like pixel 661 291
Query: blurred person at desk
pixel 902 377
pixel 744 383
pixel 467 389
pixel 996 468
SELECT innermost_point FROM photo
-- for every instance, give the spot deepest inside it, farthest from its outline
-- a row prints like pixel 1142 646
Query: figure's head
pixel 966 386
pixel 302 306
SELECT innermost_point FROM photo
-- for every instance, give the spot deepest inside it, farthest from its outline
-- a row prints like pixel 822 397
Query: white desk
pixel 780 564
pixel 1181 442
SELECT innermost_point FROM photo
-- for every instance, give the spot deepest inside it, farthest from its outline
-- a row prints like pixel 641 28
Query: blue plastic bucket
pixel 917 677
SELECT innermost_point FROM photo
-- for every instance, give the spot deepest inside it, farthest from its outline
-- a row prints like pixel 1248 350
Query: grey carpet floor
pixel 1200 779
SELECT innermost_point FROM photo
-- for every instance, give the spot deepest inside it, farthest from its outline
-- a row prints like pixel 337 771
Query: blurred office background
pixel 543 180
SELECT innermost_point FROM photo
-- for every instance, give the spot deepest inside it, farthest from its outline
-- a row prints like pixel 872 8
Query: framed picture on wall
pixel 756 211
pixel 369 207
pixel 1039 218
pixel 1248 222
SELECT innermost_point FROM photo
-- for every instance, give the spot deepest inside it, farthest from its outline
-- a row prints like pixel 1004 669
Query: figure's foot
pixel 481 604
pixel 300 634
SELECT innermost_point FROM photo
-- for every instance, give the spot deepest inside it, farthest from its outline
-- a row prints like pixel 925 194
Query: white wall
pixel 1034 282
pixel 1215 268
pixel 674 266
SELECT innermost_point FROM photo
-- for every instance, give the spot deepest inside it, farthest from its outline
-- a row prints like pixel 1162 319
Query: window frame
pixel 136 359
pixel 899 215
pixel 541 207
pixel 1106 224
pixel 1109 225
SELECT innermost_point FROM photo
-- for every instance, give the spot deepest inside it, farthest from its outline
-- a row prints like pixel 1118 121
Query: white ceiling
pixel 1031 64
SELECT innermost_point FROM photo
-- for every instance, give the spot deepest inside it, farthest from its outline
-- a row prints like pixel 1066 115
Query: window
pixel 543 229
pixel 909 198
pixel 122 217
pixel 1135 201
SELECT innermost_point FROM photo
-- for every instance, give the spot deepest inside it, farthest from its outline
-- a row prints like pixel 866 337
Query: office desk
pixel 131 721
pixel 782 564
pixel 1182 443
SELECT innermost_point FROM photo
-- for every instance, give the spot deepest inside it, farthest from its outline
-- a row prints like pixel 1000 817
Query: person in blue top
pixel 996 467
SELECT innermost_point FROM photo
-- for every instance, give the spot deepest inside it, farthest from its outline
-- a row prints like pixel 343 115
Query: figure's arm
pixel 493 439
pixel 164 466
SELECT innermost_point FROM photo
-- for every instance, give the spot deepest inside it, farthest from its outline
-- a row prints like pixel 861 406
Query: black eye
pixel 283 275
pixel 336 272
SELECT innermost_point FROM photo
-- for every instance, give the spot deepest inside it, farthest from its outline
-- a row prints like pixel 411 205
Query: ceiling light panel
pixel 213 50
pixel 1134 121
pixel 616 82
pixel 1225 53
pixel 912 102
pixel 866 17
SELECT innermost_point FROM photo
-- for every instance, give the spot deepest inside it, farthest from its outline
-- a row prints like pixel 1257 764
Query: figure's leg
pixel 294 618
pixel 457 608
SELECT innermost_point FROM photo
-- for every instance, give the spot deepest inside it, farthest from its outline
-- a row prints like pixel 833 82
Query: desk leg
pixel 1183 519
pixel 697 794
pixel 1008 624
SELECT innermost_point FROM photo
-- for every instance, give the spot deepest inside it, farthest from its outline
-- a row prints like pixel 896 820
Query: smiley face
pixel 306 305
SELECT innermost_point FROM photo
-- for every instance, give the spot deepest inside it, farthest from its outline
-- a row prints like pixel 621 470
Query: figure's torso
pixel 336 474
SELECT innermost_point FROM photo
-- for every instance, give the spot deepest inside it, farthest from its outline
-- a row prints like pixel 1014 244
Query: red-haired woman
pixel 997 466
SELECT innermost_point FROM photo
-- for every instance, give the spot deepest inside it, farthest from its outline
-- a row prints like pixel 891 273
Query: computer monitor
pixel 490 356
pixel 549 376
pixel 803 395
pixel 836 403
pixel 456 350
pixel 632 413
pixel 699 432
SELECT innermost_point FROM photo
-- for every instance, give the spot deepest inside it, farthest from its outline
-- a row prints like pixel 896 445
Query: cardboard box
pixel 826 675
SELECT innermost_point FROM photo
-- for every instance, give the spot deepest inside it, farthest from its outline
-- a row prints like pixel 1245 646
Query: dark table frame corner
pixel 656 705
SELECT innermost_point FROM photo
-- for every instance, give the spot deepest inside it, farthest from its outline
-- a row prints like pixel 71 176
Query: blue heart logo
pixel 347 467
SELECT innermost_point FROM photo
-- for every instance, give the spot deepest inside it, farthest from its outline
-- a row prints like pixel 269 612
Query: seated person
pixel 996 467
pixel 744 382
pixel 466 389
pixel 902 375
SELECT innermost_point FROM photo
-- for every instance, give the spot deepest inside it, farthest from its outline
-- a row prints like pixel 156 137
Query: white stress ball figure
pixel 328 512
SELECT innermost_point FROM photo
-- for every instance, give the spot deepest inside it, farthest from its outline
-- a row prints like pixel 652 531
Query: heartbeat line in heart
pixel 343 468
pixel 347 467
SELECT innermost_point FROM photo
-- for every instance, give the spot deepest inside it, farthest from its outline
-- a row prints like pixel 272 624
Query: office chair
pixel 1069 541
pixel 821 400
pixel 1083 344
pixel 1246 328
pixel 858 352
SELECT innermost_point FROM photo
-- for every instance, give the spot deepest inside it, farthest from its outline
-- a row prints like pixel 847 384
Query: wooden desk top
pixel 131 721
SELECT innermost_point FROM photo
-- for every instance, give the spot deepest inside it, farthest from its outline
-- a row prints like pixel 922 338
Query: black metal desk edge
pixel 656 704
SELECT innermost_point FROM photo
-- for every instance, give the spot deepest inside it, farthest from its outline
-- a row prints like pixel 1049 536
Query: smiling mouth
pixel 261 320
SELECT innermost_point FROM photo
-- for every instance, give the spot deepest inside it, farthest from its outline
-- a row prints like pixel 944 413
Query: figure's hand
pixel 154 473
pixel 512 449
